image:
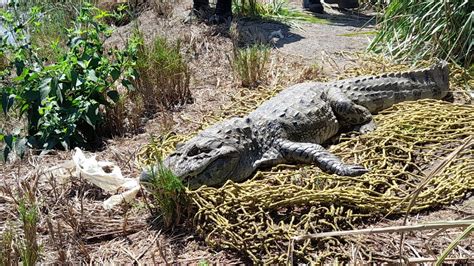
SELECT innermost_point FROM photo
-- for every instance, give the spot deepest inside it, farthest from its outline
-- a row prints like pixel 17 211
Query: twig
pixel 391 229
pixel 453 244
pixel 291 248
pixel 434 172
pixel 162 254
pixel 149 246
pixel 419 260
pixel 422 260
pixel 190 260
pixel 130 254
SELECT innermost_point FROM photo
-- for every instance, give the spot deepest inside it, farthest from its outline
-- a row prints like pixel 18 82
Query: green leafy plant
pixel 249 64
pixel 416 30
pixel 168 194
pixel 49 36
pixel 163 75
pixel 62 101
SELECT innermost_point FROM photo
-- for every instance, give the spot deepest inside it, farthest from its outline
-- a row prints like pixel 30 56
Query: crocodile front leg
pixel 300 152
pixel 349 115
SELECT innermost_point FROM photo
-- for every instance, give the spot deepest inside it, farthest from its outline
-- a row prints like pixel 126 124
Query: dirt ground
pixel 129 234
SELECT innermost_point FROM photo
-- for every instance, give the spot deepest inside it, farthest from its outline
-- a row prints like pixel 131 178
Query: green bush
pixel 421 29
pixel 62 100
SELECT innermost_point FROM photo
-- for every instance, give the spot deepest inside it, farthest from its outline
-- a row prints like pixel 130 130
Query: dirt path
pixel 340 31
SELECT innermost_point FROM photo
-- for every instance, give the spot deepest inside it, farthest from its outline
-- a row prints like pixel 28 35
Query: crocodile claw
pixel 352 170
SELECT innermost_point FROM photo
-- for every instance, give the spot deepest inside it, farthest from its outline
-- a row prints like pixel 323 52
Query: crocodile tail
pixel 380 92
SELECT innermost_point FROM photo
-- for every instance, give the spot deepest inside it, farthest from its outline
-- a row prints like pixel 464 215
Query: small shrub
pixel 62 101
pixel 249 64
pixel 168 194
pixel 163 75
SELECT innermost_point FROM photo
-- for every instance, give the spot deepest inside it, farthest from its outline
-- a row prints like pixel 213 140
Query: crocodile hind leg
pixel 308 153
pixel 349 115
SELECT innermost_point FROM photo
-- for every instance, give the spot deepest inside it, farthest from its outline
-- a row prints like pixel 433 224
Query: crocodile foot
pixel 366 128
pixel 300 152
pixel 351 170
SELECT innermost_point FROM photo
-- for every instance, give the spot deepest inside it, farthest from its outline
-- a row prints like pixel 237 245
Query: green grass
pixel 29 248
pixel 359 33
pixel 465 234
pixel 420 29
pixel 250 64
pixel 21 245
pixel 7 254
pixel 49 36
pixel 163 75
pixel 167 192
pixel 274 10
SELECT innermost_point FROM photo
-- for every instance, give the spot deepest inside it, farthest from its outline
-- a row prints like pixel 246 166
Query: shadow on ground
pixel 348 18
pixel 248 31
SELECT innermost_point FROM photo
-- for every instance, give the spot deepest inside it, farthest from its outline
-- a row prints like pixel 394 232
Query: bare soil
pixel 129 234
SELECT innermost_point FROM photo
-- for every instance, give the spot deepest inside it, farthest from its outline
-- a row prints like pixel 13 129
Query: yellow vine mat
pixel 260 216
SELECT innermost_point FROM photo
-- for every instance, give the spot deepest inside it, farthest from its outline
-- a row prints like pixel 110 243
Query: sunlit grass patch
pixel 163 75
pixel 250 64
pixel 273 9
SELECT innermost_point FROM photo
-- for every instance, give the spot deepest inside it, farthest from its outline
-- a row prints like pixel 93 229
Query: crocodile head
pixel 211 158
pixel 205 161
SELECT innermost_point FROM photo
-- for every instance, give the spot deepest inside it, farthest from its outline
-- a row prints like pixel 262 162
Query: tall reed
pixel 420 29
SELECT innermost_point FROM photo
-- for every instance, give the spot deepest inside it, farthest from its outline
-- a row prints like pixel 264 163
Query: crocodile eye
pixel 195 150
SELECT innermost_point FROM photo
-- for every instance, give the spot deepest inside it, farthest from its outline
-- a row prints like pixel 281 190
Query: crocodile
pixel 292 126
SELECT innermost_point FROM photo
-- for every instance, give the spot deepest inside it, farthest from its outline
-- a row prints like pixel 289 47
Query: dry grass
pixel 73 228
pixel 7 253
pixel 3 61
pixel 125 116
pixel 163 8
